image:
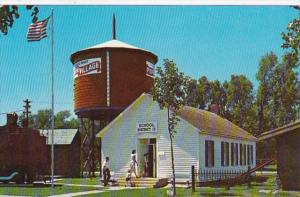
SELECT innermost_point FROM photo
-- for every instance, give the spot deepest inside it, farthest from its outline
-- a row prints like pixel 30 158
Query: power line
pixel 21 110
pixel 48 102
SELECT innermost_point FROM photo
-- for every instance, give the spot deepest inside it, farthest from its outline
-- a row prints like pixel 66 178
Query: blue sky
pixel 215 41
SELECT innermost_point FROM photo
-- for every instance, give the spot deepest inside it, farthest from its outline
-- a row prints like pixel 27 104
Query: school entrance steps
pixel 144 182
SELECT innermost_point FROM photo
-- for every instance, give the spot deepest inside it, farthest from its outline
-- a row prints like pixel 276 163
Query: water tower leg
pixel 92 146
pixel 87 147
pixel 82 145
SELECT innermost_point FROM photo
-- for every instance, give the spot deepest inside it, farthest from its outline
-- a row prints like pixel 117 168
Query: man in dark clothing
pixel 106 171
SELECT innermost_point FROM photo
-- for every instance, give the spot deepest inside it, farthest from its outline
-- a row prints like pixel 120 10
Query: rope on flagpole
pixel 52 98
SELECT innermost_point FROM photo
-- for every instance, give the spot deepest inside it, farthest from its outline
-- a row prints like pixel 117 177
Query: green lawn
pixel 137 192
pixel 83 181
pixel 45 191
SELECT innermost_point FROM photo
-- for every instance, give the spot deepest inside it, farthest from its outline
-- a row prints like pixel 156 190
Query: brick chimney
pixel 214 108
pixel 11 121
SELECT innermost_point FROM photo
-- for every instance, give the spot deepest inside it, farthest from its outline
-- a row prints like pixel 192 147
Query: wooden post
pixel 249 177
pixel 193 178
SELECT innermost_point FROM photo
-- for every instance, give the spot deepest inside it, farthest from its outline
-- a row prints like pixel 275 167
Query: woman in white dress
pixel 133 163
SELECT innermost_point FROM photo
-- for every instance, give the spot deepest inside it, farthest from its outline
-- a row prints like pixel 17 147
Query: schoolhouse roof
pixel 207 122
pixel 211 123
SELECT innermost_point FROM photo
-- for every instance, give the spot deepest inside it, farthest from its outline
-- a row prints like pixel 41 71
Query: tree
pixel 60 120
pixel 264 76
pixel 73 123
pixel 192 99
pixel 42 120
pixel 218 95
pixel 204 92
pixel 8 15
pixel 240 101
pixel 285 92
pixel 291 39
pixel 170 91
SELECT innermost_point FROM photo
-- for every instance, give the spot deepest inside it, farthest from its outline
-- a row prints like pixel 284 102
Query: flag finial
pixel 114 27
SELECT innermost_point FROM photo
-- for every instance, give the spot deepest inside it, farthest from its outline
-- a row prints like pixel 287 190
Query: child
pixel 128 179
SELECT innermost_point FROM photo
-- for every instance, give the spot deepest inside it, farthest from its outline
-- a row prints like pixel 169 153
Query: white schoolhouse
pixel 203 139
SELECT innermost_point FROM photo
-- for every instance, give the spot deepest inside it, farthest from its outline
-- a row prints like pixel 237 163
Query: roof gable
pixel 61 136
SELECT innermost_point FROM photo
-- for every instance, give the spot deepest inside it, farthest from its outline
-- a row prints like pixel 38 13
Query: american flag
pixel 37 30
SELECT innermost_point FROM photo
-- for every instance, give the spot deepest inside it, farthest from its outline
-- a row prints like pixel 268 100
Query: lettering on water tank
pixel 87 67
pixel 149 69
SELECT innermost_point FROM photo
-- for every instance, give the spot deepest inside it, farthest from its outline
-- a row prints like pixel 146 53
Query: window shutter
pixel 213 153
pixel 232 154
pixel 236 154
pixel 245 152
pixel 241 154
pixel 227 153
pixel 222 153
pixel 251 150
pixel 248 154
pixel 206 153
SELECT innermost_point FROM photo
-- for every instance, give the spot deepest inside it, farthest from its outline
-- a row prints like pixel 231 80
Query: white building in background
pixel 203 139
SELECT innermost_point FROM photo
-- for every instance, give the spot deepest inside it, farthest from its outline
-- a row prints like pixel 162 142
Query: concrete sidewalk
pixel 79 193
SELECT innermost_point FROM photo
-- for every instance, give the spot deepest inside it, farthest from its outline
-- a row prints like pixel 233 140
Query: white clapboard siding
pixel 189 143
pixel 120 140
pixel 185 149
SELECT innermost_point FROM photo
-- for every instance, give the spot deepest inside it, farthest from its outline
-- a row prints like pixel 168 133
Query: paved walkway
pixel 79 193
pixel 105 189
pixel 82 185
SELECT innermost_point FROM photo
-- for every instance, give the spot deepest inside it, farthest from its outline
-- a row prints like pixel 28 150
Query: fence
pixel 205 175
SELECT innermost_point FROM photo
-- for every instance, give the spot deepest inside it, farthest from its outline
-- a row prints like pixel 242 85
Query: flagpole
pixel 52 102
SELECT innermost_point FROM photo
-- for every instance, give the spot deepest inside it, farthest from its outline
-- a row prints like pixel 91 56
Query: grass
pixel 83 181
pixel 272 167
pixel 149 192
pixel 44 191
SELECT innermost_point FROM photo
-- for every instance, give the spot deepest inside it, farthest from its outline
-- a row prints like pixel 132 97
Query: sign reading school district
pixel 146 127
pixel 87 67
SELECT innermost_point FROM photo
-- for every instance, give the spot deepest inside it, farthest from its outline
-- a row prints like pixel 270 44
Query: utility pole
pixel 26 112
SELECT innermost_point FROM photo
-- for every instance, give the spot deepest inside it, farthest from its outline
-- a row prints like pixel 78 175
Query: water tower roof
pixel 114 44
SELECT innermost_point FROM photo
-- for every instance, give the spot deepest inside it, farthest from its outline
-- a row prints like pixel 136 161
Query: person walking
pixel 133 163
pixel 106 171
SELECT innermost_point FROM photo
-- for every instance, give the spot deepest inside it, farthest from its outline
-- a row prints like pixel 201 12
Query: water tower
pixel 107 78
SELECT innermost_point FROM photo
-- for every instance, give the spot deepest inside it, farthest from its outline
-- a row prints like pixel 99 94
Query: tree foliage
pixel 265 77
pixel 8 15
pixel 42 120
pixel 170 90
pixel 291 38
pixel 240 101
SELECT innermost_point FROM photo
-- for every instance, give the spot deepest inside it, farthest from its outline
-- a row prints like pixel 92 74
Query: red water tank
pixel 110 76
